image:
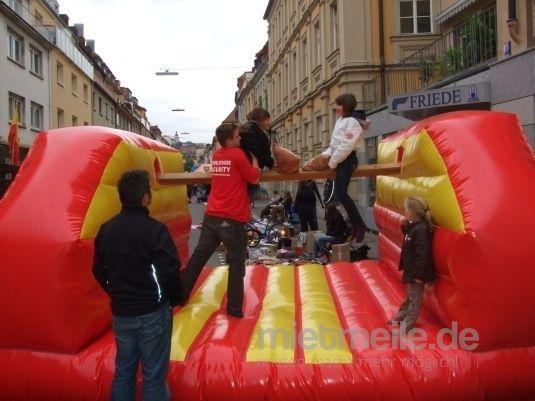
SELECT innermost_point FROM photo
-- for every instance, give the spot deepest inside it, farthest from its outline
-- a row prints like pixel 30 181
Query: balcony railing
pixel 467 47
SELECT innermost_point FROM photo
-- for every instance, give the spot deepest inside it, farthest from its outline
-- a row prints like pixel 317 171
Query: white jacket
pixel 345 138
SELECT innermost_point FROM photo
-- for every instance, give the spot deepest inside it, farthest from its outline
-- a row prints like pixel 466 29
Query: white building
pixel 24 79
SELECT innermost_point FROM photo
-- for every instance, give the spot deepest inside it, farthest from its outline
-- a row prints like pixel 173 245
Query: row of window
pixel 107 111
pixel 61 119
pixel 415 17
pixel 60 74
pixel 16 53
pixel 305 135
pixel 17 102
pixel 295 71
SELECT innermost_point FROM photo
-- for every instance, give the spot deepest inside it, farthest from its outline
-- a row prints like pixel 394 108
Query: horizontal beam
pixel 368 170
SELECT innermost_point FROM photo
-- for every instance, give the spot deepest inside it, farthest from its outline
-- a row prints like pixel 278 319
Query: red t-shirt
pixel 231 171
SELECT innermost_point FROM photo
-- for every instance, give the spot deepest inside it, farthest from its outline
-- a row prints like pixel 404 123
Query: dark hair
pixel 348 102
pixel 330 212
pixel 243 129
pixel 132 187
pixel 258 114
pixel 225 131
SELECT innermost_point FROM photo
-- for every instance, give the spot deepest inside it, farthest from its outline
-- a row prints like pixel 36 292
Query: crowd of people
pixel 137 264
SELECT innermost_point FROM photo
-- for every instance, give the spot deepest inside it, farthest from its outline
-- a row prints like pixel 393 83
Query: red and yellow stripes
pixel 423 174
pixel 290 317
pixel 168 202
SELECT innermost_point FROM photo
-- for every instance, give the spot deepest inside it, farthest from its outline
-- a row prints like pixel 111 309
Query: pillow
pixel 287 161
pixel 318 163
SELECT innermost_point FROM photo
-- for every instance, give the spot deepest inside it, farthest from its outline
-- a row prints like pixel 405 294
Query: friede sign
pixel 421 104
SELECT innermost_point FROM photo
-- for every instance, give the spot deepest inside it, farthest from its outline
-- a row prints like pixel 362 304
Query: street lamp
pixel 166 73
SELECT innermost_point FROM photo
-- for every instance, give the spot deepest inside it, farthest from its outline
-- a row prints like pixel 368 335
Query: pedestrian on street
pixel 256 140
pixel 305 205
pixel 416 260
pixel 226 215
pixel 345 139
pixel 136 263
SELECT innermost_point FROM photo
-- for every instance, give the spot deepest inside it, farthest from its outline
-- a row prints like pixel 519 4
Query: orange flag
pixel 13 138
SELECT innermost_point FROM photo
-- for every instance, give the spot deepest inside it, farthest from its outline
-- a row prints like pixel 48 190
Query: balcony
pixel 464 50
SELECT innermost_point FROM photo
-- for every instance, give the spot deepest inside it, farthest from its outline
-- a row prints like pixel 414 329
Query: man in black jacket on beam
pixel 136 263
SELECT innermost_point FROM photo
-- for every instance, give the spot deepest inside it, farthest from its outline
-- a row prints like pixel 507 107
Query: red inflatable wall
pixel 48 295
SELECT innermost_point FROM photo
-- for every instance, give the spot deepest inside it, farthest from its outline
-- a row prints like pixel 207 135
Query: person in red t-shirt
pixel 226 215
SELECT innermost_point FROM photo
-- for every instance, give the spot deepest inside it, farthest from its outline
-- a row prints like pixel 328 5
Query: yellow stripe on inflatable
pixel 423 174
pixel 168 202
pixel 274 335
pixel 322 335
pixel 190 320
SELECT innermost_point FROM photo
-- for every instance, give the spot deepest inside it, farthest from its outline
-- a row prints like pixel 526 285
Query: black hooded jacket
pixel 416 259
pixel 136 263
pixel 257 143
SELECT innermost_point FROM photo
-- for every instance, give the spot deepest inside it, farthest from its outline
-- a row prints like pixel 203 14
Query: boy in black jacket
pixel 136 263
pixel 256 141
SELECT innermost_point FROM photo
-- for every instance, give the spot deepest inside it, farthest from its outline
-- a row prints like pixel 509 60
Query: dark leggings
pixel 341 185
pixel 308 219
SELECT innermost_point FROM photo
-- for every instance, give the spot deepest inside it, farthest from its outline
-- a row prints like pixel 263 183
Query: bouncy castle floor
pixel 303 337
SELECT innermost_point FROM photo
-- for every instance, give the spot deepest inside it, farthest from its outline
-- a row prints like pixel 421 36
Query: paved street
pixel 197 213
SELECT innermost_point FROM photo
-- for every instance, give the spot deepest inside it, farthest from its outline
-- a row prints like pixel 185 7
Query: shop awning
pixel 453 10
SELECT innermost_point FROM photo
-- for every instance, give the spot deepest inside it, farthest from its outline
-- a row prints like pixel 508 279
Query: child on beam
pixel 256 140
pixel 342 156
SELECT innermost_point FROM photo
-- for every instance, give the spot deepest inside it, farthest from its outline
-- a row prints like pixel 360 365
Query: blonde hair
pixel 418 207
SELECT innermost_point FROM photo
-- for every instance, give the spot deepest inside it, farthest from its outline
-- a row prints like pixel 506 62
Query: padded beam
pixel 369 170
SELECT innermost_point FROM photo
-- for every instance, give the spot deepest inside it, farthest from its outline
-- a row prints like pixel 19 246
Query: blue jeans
pixel 145 338
pixel 341 184
pixel 321 242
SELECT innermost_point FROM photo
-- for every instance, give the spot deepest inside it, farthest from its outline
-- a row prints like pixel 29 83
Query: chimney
pixel 79 29
pixel 54 4
pixel 90 43
pixel 65 18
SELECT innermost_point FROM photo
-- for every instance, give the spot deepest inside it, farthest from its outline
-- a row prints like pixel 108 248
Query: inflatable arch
pixel 297 340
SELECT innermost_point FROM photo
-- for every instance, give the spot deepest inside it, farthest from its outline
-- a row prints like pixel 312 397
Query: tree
pixel 188 164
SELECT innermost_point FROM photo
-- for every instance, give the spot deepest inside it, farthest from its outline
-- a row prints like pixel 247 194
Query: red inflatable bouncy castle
pixel 309 332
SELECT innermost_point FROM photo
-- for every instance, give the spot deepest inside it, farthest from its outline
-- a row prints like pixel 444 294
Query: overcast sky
pixel 138 37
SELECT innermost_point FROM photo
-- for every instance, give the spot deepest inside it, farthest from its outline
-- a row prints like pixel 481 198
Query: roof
pixel 268 8
pixel 232 117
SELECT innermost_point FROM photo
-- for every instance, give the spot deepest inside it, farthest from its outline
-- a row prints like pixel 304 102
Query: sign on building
pixel 418 105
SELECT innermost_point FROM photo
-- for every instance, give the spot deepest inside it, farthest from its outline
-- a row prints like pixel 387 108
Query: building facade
pixel 52 75
pixel 254 87
pixel 24 61
pixel 379 49
pixel 105 93
pixel 482 45
pixel 71 70
pixel 240 97
pixel 314 55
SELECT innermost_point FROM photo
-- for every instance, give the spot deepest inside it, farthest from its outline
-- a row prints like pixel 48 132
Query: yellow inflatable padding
pixel 273 339
pixel 322 335
pixel 423 174
pixel 190 320
pixel 168 202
